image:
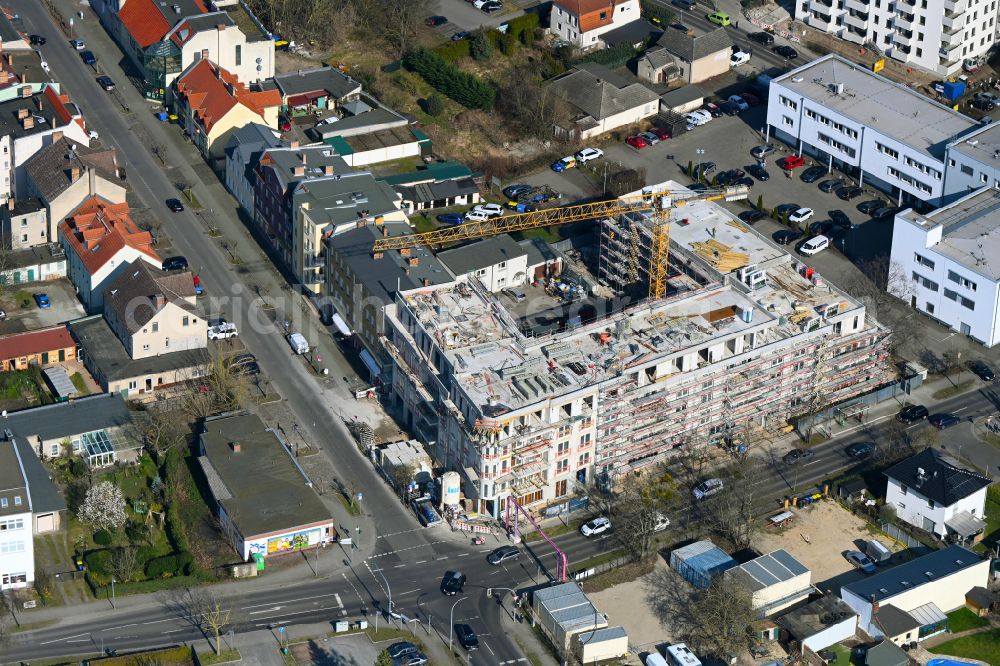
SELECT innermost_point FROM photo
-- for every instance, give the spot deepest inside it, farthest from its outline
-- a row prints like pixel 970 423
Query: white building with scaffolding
pixel 746 337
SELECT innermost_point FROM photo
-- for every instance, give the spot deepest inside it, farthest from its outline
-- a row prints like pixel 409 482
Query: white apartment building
pixel 17 552
pixel 946 266
pixel 519 410
pixel 934 35
pixel 845 116
pixel 973 161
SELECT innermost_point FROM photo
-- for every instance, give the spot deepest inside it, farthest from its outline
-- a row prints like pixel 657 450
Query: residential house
pixel 657 65
pixel 43 347
pixel 24 223
pixel 29 124
pixel 933 492
pixel 582 22
pixel 636 34
pixel 100 428
pixel 65 175
pixel 22 75
pixel 322 88
pixel 699 57
pixel 497 262
pixel 101 241
pixel 328 205
pixel 925 588
pixel 436 185
pixel 162 39
pixel 360 283
pixel 277 174
pixel 372 133
pixel 12 32
pixel 249 466
pixel 243 151
pixel 213 104
pixel 34 264
pixel 543 261
pixel 600 101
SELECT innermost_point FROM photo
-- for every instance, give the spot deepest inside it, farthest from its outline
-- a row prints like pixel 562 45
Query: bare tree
pixel 124 562
pixel 211 613
pixel 220 387
pixel 402 475
pixel 534 108
pixel 400 20
pixel 641 508
pixel 158 431
pixel 731 515
pixel 879 284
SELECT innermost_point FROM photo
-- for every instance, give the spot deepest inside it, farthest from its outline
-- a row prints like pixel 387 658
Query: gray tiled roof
pixel 681 96
pixel 50 169
pixel 692 48
pixel 69 419
pixel 658 57
pixel 428 192
pixel 284 160
pixel 12 482
pixel 894 621
pixel 131 295
pixel 601 94
pixel 45 496
pixel 481 253
pixel 330 79
pixel 631 33
pixel 937 477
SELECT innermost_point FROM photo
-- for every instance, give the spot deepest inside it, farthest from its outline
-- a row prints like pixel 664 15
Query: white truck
pixel 298 343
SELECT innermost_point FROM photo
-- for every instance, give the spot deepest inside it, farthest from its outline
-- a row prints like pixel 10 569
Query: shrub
pixel 159 567
pixel 98 562
pixel 523 28
pixel 184 563
pixel 507 43
pixel 135 531
pixel 616 56
pixel 102 538
pixel 461 86
pixel 434 105
pixel 454 51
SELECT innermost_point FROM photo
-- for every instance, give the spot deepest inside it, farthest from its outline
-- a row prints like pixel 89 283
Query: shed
pixel 700 562
pixel 886 653
pixel 776 580
pixel 853 490
pixel 683 99
pixel 563 611
pixel 980 601
pixel 593 647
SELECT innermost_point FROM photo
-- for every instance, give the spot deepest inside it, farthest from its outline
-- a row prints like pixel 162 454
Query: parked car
pixel 752 216
pixel 942 421
pixel 466 637
pixel 764 38
pixel 719 18
pixel 821 228
pixel 460 35
pixel 764 150
pixel 885 212
pixel 637 142
pixel 739 58
pixel 516 190
pixel 786 236
pixel 729 177
pixel 704 168
pixel 42 300
pixel 870 206
pixel 830 185
pixel 77 44
pixel 795 456
pixel 175 205
pixel 758 172
pixel 515 295
pixel 650 138
pixel 476 216
pixel 415 659
pixel 860 561
pixel 453 583
pixel 729 108
pixel 450 218
pixel 707 488
pixel 567 162
pixel 503 554
pixel 982 104
pixel 814 245
pixel 750 98
pixel 435 21
pixel 88 58
pixel 839 218
pixel 800 215
pixel 912 414
pixel 662 133
pixel 491 209
pixel 222 332
pixel 982 370
pixel 791 162
pixel 284 124
pixel 812 174
pixel 849 192
pixel 680 27
pixel 786 209
pixel 492 6
pixel 989 97
pixel 859 450
pixel 177 263
pixel 401 649
pixel 739 101
pixel 106 82
pixel 588 154
pixel 745 180
pixel 598 525
pixel 712 109
pixel 786 52
pixel 36 40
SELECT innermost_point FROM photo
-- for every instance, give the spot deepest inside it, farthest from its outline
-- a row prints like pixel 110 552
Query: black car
pixel 795 456
pixel 822 227
pixel 869 207
pixel 942 421
pixel 758 172
pixel 860 450
pixel 751 216
pixel 840 218
pixel 401 649
pixel 697 187
pixel 712 109
pixel 829 185
pixel 849 192
pixel 466 637
pixel 786 236
pixel 36 40
pixel 885 212
pixel 745 180
pixel 982 104
pixel 982 370
pixel 812 174
pixel 730 108
pixel 503 554
pixel 106 82
pixel 680 26
pixel 704 167
pixel 453 583
pixel 764 38
pixel 912 414
pixel 435 21
pixel 786 209
pixel 491 7
pixel 175 264
pixel 516 190
pixel 729 177
pixel 175 205
pixel 786 52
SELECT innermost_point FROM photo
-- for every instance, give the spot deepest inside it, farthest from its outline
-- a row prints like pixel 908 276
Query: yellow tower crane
pixel 660 202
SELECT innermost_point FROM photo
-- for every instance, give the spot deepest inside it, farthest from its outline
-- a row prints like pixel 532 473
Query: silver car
pixel 764 150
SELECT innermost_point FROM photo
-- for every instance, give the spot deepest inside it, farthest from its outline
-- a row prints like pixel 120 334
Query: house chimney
pixel 376 255
pixel 159 301
pixel 220 27
pixel 39 102
pixel 414 261
pixel 28 122
pixel 74 173
pixel 379 221
pixel 299 170
pixel 328 170
pixel 235 446
pixel 23 113
pixel 294 145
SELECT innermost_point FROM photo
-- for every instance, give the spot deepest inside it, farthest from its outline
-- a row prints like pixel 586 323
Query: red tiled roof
pixel 210 92
pixel 58 103
pixel 588 11
pixel 145 22
pixel 98 230
pixel 35 342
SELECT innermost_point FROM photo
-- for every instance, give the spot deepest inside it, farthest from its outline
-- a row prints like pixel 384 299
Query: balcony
pixel 951 41
pixel 903 20
pixel 952 7
pixel 822 19
pixel 954 21
pixel 857 6
pixel 857 21
pixel 825 3
pixel 904 38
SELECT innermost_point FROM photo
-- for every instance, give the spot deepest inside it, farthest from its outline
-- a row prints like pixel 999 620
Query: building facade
pixel 24 224
pixel 44 347
pixel 17 549
pixel 582 22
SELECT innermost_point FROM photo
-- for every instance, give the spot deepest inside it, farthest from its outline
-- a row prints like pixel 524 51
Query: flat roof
pixel 970 233
pixel 264 488
pixel 870 99
pixel 982 145
pixel 767 570
pixel 816 616
pixel 930 567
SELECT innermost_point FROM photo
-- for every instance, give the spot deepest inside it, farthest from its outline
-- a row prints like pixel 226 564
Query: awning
pixel 341 325
pixel 370 363
pixel 965 525
pixel 928 614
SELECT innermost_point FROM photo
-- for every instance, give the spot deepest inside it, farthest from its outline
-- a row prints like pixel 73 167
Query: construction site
pixel 744 337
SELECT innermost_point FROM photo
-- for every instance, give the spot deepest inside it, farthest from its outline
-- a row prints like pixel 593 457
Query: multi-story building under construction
pixel 747 336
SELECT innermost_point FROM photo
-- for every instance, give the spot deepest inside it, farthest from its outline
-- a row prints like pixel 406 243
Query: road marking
pixel 172 631
pixel 463 554
pixel 340 604
pixel 79 640
pixel 159 621
pixel 318 596
pixel 489 648
pixel 960 409
pixel 398 566
pixel 420 561
pixel 56 640
pixel 266 610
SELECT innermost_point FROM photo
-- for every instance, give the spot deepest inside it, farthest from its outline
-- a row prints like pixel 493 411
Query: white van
pixel 298 343
pixel 814 245
pixel 680 655
pixel 655 659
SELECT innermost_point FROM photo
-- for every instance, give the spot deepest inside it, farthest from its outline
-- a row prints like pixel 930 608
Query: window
pixel 11 546
pixel 239 55
pixel 166 341
pixel 156 327
pixel 133 385
pixel 54 449
pixel 930 504
pixel 11 524
pixel 785 120
pixel 983 178
pixel 966 303
pixel 950 295
pixel 923 261
pixel 924 282
pixel 830 141
pixel 184 321
pixel 909 180
pixel 967 170
pixel 14 578
pixel 902 489
pixel 17 500
pixel 886 150
pixel 3 502
pixel 145 348
pixel 958 279
pixel 790 103
pixel 929 308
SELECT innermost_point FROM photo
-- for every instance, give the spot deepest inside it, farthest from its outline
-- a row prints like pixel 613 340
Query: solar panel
pixel 790 562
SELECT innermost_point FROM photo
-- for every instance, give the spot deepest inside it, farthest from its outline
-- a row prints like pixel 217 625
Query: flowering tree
pixel 104 506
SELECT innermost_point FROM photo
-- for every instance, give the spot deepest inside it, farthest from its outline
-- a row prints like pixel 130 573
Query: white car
pixel 77 44
pixel 595 527
pixel 739 58
pixel 222 332
pixel 588 154
pixel 92 135
pixel 739 101
pixel 328 121
pixel 707 488
pixel 697 118
pixel 478 4
pixel 477 216
pixel 491 209
pixel 801 215
pixel 45 66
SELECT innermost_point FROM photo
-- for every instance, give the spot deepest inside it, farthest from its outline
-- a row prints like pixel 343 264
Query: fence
pixel 897 533
pixel 837 412
pixel 600 568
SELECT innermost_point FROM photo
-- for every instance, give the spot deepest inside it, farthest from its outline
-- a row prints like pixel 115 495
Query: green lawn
pixel 964 619
pixel 843 655
pixel 79 384
pixel 992 511
pixel 984 646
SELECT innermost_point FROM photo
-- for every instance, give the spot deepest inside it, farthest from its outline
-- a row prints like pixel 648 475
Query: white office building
pixel 946 266
pixel 848 117
pixel 934 35
pixel 973 161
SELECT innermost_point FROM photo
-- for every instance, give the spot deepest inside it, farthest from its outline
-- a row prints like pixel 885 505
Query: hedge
pixel 172 565
pixel 98 561
pixel 651 10
pixel 461 86
pixel 523 28
pixel 616 56
pixel 454 51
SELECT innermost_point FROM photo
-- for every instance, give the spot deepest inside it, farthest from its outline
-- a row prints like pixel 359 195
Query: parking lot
pixel 23 314
pixel 464 17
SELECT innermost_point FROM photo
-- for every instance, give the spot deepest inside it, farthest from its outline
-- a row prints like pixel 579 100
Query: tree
pixel 640 507
pixel 878 283
pixel 103 507
pixel 212 614
pixel 399 21
pixel 481 47
pixel 434 105
pixel 218 388
pixel 625 181
pixel 533 107
pixel 760 202
pixel 384 659
pixel 124 562
pixel 402 475
pixel 731 514
pixel 158 431
pixel 719 618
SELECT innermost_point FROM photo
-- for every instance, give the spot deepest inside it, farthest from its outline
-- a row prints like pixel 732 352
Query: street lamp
pixel 113 593
pixel 451 621
pixel 699 152
pixel 388 590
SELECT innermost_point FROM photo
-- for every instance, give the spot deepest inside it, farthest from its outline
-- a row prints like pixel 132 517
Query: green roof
pixel 433 171
pixel 339 144
pixel 421 137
